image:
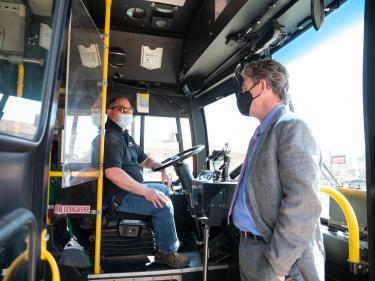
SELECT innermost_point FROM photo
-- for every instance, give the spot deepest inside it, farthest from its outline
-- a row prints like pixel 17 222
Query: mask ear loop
pixel 260 93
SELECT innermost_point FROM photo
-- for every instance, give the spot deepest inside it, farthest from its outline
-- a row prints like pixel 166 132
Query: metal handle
pixel 46 256
pixel 354 251
pixel 14 221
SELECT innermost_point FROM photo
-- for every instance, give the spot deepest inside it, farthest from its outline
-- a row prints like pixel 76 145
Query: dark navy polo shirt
pixel 120 154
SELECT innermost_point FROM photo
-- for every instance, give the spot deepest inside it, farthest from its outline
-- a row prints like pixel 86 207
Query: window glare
pixel 325 70
pixel 160 143
pixel 186 140
pixel 220 117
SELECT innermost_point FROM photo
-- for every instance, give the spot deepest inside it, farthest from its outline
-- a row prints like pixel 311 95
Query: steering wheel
pixel 179 157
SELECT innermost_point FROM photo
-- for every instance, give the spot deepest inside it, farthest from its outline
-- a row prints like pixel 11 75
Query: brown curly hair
pixel 273 72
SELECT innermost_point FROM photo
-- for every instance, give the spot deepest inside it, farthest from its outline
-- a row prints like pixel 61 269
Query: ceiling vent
pixel 136 13
pixel 162 15
pixel 116 57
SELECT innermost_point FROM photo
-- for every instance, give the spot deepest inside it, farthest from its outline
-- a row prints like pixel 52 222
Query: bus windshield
pixel 325 71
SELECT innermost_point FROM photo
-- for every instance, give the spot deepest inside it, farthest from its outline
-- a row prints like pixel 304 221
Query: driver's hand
pixel 157 198
pixel 166 178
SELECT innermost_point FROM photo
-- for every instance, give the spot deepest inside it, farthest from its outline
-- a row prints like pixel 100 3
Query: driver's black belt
pixel 115 203
pixel 117 200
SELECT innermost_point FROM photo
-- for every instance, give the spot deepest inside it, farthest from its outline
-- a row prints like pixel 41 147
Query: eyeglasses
pixel 123 109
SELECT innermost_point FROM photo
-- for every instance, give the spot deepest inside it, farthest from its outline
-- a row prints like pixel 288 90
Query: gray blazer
pixel 282 190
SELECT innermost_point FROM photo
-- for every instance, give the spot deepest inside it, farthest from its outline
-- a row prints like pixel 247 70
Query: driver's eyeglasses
pixel 123 109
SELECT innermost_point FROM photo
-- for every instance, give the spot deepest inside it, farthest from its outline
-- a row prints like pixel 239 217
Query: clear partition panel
pixel 80 155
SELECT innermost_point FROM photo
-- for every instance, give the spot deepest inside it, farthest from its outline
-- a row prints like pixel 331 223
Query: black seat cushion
pixel 125 216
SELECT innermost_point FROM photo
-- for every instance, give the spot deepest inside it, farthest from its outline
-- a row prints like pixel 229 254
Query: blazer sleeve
pixel 299 160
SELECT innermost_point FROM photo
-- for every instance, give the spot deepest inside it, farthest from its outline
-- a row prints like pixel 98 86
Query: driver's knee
pixel 169 206
pixel 166 211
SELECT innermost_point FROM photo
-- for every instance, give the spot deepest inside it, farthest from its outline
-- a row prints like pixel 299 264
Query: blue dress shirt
pixel 241 216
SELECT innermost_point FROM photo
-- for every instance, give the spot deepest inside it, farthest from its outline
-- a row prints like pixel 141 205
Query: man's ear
pixel 109 112
pixel 263 84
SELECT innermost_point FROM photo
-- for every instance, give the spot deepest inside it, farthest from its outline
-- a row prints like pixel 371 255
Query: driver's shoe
pixel 174 260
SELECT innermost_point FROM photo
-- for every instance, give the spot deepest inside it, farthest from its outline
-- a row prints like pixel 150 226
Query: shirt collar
pixel 266 121
pixel 111 124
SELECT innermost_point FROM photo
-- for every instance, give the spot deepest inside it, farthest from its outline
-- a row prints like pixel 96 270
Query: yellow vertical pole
pixel 47 256
pixel 21 74
pixel 99 199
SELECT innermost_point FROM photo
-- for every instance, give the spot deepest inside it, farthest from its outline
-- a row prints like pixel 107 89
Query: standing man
pixel 275 206
pixel 123 164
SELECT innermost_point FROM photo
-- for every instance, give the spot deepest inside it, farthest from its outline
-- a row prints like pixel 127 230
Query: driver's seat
pixel 126 237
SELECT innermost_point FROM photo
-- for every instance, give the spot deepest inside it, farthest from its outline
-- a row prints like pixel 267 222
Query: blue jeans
pixel 162 218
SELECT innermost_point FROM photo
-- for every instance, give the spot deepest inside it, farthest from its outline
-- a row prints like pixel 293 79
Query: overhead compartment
pixel 144 58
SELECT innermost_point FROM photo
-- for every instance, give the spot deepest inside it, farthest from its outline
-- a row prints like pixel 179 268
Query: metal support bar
pixel 99 197
pixel 21 75
pixel 47 256
pixel 354 253
pixel 20 60
pixel 205 257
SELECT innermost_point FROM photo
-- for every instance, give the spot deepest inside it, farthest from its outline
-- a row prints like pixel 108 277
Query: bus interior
pixel 177 62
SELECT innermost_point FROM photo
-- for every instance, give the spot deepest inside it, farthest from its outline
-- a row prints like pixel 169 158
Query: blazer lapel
pixel 263 135
pixel 252 204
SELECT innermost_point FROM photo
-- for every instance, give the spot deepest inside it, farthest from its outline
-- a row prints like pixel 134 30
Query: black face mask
pixel 244 101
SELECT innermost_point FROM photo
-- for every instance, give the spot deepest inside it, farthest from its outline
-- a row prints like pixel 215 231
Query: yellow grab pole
pixel 21 74
pixel 351 220
pixel 21 259
pixel 83 174
pixel 99 198
pixel 46 256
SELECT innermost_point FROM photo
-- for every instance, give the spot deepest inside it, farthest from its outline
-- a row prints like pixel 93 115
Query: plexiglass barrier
pixel 80 155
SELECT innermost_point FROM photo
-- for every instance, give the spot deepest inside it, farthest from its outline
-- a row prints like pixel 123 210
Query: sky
pixel 326 79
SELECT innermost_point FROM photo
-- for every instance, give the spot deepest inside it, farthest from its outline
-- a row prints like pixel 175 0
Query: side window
pixel 136 129
pixel 329 96
pixel 25 36
pixel 160 142
pixel 220 117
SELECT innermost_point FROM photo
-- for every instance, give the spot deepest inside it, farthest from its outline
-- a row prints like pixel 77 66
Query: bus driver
pixel 123 162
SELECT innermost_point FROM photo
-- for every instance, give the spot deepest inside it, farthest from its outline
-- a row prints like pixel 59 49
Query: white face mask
pixel 125 121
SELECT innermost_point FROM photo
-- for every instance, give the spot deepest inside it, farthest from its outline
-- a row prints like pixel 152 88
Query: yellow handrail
pixel 15 265
pixel 21 74
pixel 351 219
pixel 84 174
pixel 46 256
pixel 99 196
